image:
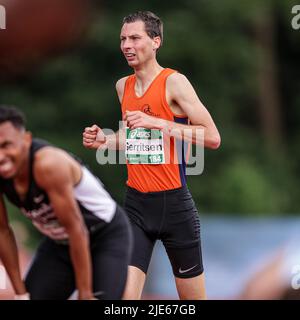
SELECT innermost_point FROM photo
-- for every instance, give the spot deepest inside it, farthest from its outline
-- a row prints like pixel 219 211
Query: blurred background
pixel 60 59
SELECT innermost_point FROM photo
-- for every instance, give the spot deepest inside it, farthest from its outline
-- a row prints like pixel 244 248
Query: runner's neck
pixel 146 74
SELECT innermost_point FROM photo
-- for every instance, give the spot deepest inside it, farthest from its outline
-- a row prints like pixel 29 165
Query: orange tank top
pixel 156 177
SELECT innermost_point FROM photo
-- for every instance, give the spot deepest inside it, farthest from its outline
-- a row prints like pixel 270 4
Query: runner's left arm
pixel 53 174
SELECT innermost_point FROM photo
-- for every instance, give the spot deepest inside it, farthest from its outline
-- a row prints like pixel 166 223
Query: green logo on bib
pixel 144 146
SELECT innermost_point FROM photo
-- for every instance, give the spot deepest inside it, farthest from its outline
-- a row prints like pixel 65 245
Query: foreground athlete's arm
pixel 9 251
pixel 54 174
pixel 181 94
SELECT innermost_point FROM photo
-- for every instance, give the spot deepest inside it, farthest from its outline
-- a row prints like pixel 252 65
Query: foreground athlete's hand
pixel 93 137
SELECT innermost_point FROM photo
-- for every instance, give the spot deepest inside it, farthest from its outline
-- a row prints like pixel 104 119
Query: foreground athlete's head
pixel 15 142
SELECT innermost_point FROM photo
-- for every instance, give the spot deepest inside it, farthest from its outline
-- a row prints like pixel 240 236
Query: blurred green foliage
pixel 213 44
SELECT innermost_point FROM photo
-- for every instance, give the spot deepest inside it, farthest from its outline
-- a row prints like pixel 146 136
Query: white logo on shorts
pixel 187 270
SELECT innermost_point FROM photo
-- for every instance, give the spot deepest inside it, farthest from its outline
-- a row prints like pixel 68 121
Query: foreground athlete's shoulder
pixel 50 160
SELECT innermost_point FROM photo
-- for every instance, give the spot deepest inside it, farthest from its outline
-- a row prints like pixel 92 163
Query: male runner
pixel 87 243
pixel 158 201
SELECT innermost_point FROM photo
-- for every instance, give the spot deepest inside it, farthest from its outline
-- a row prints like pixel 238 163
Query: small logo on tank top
pixel 147 109
pixel 39 199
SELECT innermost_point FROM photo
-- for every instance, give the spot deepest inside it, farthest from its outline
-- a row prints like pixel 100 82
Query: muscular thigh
pixel 181 235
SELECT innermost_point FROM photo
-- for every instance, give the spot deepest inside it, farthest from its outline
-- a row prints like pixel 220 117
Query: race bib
pixel 144 146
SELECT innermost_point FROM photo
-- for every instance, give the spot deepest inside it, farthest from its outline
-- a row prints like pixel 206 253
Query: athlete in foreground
pixel 87 235
pixel 158 201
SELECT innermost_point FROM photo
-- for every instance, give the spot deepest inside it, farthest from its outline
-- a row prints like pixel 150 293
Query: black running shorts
pixel 51 275
pixel 169 216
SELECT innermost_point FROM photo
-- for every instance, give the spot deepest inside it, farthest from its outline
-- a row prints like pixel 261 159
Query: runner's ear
pixel 156 43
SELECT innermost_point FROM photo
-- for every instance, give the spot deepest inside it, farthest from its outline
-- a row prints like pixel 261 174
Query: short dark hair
pixel 153 24
pixel 12 115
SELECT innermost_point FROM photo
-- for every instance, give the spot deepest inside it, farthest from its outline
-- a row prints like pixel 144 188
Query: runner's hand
pixel 138 119
pixel 93 137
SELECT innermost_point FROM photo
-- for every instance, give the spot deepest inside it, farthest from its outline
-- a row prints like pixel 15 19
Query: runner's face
pixel 136 45
pixel 14 145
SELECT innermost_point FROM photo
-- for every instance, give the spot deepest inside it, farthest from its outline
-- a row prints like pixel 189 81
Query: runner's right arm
pixel 9 251
pixel 94 138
